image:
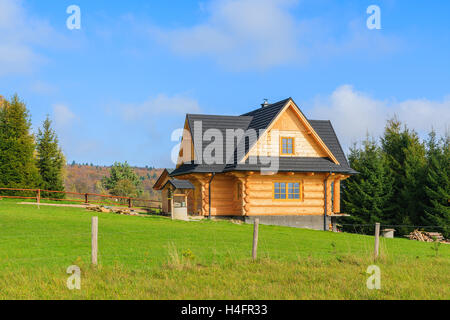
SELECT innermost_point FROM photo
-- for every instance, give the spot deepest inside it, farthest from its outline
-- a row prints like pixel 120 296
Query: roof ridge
pixel 268 106
pixel 214 115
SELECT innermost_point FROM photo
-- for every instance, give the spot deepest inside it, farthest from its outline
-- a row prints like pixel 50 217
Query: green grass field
pixel 156 258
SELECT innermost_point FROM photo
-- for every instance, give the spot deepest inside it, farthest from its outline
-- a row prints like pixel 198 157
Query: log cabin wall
pixel 255 194
pixel 224 198
pixel 261 202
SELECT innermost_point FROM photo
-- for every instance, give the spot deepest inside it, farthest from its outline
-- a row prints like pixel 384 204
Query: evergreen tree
pixel 123 181
pixel 17 163
pixel 50 159
pixel 367 195
pixel 437 184
pixel 412 193
pixel 405 156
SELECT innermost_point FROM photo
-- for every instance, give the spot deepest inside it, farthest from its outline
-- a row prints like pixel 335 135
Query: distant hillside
pixel 86 178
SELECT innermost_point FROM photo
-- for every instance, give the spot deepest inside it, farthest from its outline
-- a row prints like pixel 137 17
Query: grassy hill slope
pixel 156 258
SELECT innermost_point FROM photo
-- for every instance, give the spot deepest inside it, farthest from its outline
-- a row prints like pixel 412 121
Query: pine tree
pixel 17 146
pixel 405 157
pixel 366 195
pixel 437 184
pixel 412 193
pixel 50 159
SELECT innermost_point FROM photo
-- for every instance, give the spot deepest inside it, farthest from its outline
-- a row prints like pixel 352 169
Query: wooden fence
pixel 83 198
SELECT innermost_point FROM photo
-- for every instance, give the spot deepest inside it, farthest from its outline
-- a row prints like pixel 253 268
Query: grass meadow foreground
pixel 156 258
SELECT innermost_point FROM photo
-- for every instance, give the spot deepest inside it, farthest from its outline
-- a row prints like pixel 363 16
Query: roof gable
pixel 164 176
pixel 274 114
pixel 288 125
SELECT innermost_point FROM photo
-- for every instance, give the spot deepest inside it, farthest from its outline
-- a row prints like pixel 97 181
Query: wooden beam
pixel 337 196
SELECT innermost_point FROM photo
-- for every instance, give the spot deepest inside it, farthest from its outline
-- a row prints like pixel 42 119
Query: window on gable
pixel 287 146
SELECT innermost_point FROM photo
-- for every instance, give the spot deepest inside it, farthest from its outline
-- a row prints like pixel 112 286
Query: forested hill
pixel 87 178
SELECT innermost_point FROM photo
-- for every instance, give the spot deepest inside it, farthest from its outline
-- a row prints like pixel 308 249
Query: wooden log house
pixel 302 191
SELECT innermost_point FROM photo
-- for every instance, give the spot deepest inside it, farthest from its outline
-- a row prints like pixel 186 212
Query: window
pixel 279 191
pixel 287 145
pixel 287 191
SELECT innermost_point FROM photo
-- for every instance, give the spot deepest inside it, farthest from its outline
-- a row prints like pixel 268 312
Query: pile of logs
pixel 426 236
pixel 122 211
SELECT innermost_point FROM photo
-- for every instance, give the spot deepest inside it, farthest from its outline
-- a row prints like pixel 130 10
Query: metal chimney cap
pixel 266 103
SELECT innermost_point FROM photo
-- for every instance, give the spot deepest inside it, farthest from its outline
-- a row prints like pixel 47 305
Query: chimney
pixel 265 104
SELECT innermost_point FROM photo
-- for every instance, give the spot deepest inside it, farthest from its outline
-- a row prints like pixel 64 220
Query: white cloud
pixel 160 105
pixel 354 114
pixel 20 32
pixel 240 34
pixel 63 116
pixel 259 34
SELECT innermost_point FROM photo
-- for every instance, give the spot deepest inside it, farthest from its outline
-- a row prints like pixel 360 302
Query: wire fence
pixel 78 198
pixel 399 230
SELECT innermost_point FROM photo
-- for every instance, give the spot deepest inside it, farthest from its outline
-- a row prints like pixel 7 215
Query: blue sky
pixel 117 88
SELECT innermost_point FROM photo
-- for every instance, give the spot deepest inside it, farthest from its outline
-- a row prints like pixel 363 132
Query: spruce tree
pixel 17 162
pixel 437 184
pixel 405 158
pixel 50 159
pixel 412 193
pixel 367 195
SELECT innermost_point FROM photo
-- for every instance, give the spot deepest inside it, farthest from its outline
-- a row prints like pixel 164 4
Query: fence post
pixel 38 197
pixel 255 239
pixel 94 240
pixel 377 240
pixel 86 198
pixel 129 203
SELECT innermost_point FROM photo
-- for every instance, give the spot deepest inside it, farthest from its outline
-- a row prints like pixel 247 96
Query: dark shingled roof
pixel 259 120
pixel 285 164
pixel 262 117
pixel 180 184
pixel 325 130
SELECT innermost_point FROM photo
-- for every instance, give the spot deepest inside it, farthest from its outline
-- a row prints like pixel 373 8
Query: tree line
pixel 402 180
pixel 29 161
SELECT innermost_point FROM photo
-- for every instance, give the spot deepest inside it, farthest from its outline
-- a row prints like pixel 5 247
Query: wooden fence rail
pixel 85 198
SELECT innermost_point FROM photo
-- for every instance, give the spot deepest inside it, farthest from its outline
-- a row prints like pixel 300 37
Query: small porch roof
pixel 180 184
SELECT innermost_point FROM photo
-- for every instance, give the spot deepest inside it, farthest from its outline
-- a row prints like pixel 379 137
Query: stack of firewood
pixel 99 209
pixel 122 211
pixel 426 236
